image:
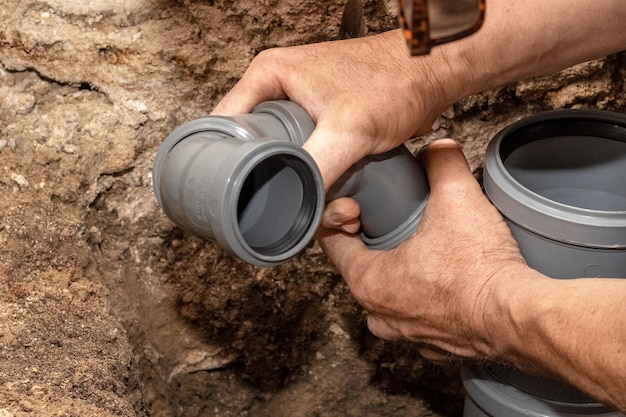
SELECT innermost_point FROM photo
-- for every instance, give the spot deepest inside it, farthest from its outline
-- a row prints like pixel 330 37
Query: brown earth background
pixel 107 309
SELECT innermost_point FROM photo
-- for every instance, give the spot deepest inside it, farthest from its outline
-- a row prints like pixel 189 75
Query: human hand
pixel 366 95
pixel 435 288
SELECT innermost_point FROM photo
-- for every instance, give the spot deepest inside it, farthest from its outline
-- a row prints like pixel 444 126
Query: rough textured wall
pixel 106 308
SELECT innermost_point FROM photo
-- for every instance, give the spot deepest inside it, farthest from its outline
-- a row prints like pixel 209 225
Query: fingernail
pixel 349 228
pixel 336 218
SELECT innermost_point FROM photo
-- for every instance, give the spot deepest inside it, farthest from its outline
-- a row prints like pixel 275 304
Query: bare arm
pixel 460 287
pixel 521 39
pixel 475 298
pixel 368 95
pixel 572 329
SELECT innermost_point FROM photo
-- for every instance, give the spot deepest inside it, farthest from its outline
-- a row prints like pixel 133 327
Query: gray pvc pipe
pixel 392 191
pixel 489 396
pixel 558 179
pixel 246 182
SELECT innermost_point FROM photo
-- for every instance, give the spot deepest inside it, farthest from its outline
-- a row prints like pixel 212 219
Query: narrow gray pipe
pixel 392 191
pixel 246 182
pixel 558 179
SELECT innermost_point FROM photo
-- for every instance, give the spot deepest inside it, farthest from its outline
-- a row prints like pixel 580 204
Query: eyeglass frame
pixel 418 38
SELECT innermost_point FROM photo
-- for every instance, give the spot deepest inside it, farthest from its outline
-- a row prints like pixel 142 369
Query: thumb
pixel 448 170
pixel 346 252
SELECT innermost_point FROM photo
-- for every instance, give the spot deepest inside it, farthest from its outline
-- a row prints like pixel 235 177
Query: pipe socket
pixel 246 183
pixel 558 179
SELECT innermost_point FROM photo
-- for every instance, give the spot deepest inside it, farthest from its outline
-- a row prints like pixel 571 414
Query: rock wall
pixel 106 308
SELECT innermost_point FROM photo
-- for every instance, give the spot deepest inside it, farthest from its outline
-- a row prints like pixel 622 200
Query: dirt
pixel 106 308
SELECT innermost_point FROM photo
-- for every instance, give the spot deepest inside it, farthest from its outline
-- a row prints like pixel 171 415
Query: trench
pixel 215 336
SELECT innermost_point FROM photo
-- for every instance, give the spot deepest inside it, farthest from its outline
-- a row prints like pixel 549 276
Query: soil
pixel 106 308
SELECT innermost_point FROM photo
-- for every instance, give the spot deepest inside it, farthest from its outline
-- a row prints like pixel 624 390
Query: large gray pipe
pixel 558 178
pixel 246 182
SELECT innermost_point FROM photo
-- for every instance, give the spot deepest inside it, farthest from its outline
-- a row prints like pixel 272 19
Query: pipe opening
pixel 277 204
pixel 576 163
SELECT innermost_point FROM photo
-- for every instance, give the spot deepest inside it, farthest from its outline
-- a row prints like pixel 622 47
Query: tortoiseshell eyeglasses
pixel 428 23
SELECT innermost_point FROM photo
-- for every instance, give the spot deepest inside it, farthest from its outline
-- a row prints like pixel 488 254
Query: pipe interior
pixel 569 164
pixel 276 205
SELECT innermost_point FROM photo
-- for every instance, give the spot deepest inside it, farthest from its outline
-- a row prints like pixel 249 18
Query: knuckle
pixel 269 59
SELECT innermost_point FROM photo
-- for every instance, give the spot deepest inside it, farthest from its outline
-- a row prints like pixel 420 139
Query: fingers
pixel 438 356
pixel 342 214
pixel 382 328
pixel 447 167
pixel 261 82
pixel 390 329
pixel 334 149
pixel 348 253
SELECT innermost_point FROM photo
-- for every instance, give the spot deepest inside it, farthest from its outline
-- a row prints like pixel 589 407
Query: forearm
pixel 571 329
pixel 525 38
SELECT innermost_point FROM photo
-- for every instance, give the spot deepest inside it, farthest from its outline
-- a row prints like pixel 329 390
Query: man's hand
pixel 435 288
pixel 459 288
pixel 366 95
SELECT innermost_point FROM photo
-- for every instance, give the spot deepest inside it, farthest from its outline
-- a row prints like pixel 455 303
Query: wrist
pixel 433 82
pixel 511 308
pixel 429 83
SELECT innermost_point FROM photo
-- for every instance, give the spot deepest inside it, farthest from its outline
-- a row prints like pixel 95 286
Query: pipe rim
pixel 294 118
pixel 401 233
pixel 217 124
pixel 541 215
pixel 498 398
pixel 308 219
